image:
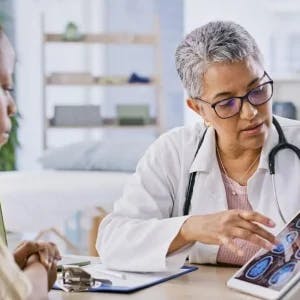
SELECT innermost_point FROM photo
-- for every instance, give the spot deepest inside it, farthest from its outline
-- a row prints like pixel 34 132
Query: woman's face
pixel 7 105
pixel 249 128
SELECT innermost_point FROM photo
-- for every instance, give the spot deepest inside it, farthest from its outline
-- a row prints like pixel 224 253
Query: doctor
pixel 232 211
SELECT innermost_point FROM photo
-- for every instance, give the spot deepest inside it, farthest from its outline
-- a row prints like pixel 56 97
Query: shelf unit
pixel 106 123
pixel 87 80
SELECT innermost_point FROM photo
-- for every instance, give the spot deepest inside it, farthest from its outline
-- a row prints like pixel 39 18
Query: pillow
pixel 111 154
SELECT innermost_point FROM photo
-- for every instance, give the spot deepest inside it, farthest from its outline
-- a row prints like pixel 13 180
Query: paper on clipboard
pixel 130 281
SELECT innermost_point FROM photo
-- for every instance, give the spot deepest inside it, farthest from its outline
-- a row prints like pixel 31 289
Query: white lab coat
pixel 137 235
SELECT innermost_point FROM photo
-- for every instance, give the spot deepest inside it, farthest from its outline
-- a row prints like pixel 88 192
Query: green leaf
pixel 8 151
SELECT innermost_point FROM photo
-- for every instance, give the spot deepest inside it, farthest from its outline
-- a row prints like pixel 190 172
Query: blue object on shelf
pixel 135 78
pixel 285 109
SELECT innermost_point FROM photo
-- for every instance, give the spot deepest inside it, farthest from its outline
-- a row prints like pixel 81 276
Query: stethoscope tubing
pixel 276 199
pixel 282 144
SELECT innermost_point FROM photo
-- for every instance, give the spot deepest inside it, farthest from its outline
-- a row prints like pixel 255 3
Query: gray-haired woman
pixel 231 211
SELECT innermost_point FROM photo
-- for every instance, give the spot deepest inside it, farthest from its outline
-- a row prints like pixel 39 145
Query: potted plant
pixel 8 151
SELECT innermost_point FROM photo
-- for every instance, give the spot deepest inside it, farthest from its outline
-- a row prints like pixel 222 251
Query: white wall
pixel 89 15
pixel 265 20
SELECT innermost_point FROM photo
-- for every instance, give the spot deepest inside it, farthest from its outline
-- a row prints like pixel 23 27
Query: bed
pixel 36 200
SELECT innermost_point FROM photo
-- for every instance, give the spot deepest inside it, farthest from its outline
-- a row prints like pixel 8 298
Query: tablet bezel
pixel 260 291
pixel 257 290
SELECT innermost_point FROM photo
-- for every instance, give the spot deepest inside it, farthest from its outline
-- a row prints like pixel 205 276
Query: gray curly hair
pixel 219 41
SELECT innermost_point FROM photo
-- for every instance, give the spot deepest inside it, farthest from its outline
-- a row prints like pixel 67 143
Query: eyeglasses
pixel 230 107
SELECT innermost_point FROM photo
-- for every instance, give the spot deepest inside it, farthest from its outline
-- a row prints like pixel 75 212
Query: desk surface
pixel 208 282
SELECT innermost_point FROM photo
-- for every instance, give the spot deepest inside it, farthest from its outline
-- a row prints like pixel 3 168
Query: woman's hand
pixel 221 228
pixel 47 252
pixel 51 272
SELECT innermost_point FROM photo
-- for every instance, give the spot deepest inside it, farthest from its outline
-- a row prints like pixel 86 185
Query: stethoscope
pixel 282 144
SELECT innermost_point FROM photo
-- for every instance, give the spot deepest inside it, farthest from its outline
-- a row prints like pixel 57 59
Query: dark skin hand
pixel 47 252
pixel 29 252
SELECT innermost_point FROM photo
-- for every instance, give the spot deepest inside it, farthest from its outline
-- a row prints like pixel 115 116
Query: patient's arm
pixel 38 277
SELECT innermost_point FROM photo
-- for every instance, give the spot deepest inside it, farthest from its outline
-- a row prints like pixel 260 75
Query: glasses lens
pixel 228 108
pixel 261 94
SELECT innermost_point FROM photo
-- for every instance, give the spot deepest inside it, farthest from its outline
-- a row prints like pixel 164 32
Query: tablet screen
pixel 273 269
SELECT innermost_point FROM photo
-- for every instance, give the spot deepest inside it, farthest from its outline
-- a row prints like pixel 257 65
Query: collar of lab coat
pixel 270 143
pixel 207 152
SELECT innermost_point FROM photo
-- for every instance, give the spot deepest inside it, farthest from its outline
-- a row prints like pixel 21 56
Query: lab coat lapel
pixel 209 193
pixel 260 185
pixel 260 190
pixel 270 143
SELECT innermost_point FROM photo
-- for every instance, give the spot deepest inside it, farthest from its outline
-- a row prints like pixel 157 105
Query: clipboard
pixel 133 282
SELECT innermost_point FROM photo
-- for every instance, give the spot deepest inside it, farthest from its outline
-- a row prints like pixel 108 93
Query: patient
pixel 31 271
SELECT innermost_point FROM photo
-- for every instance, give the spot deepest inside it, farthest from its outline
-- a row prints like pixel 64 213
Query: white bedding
pixel 36 200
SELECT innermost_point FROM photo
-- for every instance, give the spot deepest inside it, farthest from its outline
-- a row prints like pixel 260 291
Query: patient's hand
pixel 51 272
pixel 47 252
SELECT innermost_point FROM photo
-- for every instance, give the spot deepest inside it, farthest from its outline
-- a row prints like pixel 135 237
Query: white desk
pixel 208 282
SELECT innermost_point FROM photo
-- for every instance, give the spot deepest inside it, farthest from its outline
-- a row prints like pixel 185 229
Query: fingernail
pixel 271 223
pixel 49 265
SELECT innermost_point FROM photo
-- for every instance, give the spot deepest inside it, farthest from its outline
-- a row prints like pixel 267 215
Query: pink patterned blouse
pixel 237 201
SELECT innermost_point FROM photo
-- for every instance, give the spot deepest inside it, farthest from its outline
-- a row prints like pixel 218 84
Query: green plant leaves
pixel 7 152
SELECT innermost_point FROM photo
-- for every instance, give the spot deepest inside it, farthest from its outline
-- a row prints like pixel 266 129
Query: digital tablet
pixel 270 274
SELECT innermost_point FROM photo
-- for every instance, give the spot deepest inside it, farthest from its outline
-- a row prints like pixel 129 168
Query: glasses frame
pixel 242 98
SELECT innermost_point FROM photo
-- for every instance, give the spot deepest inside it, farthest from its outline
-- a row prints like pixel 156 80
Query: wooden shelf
pixel 105 127
pixel 81 79
pixel 106 123
pixel 112 38
pixel 85 79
